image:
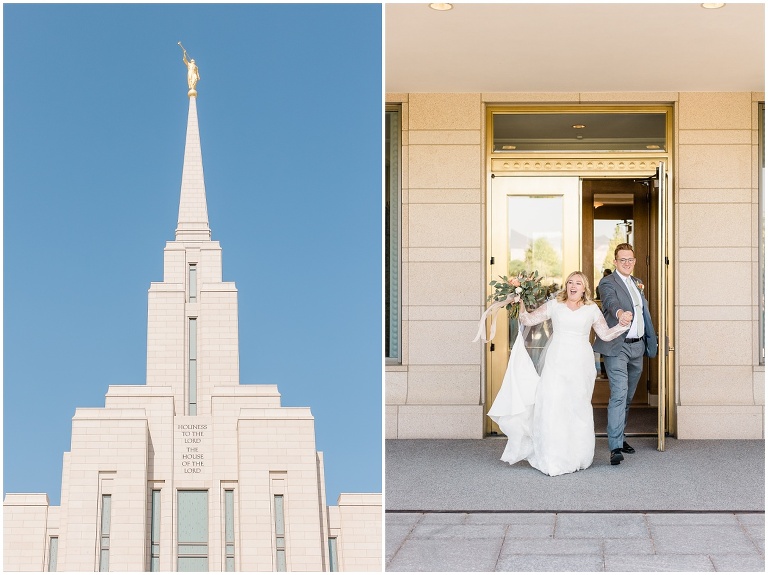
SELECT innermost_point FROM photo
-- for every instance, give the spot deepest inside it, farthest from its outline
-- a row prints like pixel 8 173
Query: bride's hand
pixel 626 318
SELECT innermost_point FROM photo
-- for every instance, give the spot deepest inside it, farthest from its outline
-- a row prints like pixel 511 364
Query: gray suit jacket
pixel 614 296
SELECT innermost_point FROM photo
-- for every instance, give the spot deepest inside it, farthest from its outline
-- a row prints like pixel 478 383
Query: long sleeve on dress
pixel 537 316
pixel 603 331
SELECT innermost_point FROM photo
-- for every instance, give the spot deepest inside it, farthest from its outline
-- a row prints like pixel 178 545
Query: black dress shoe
pixel 627 448
pixel 616 456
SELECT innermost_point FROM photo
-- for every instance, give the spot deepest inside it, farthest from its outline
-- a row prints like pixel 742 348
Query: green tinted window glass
pixel 392 216
pixel 190 564
pixel 193 530
pixel 106 518
pixel 192 283
pixel 193 517
pixel 229 529
pixel 154 548
pixel 53 552
pixel 332 554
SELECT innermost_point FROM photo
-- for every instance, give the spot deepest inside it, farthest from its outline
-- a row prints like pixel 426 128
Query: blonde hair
pixel 586 297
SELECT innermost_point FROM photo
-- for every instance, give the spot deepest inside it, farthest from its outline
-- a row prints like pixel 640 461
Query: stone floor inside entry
pixel 642 420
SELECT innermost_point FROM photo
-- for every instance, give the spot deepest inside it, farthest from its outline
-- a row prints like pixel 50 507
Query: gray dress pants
pixel 623 372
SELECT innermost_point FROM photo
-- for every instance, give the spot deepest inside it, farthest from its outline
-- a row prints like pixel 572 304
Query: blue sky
pixel 94 115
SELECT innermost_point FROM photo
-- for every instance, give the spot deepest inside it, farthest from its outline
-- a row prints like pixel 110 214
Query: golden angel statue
pixel 192 73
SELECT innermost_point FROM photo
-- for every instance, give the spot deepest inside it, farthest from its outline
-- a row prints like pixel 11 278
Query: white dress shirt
pixel 637 299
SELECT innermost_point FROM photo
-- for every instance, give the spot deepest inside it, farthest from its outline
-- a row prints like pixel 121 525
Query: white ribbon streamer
pixel 494 309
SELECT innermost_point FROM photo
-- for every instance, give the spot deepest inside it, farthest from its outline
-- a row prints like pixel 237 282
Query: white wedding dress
pixel 548 419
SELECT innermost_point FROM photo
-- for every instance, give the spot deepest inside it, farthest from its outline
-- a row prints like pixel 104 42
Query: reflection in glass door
pixel 535 243
pixel 535 226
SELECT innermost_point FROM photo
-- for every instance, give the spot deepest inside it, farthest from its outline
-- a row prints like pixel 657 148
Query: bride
pixel 548 419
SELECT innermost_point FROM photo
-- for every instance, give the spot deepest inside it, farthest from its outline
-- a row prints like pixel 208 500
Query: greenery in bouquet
pixel 526 285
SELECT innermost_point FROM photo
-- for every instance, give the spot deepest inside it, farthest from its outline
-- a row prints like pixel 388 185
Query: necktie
pixel 638 307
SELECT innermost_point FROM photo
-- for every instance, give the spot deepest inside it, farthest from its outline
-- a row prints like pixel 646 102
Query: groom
pixel 622 294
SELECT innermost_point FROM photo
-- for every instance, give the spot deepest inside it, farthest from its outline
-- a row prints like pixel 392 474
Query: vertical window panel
pixel 392 209
pixel 280 533
pixel 106 518
pixel 229 529
pixel 192 366
pixel 192 283
pixel 333 554
pixel 281 560
pixel 192 530
pixel 154 543
pixel 53 553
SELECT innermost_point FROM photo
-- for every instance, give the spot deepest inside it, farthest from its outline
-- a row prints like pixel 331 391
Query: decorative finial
pixel 192 74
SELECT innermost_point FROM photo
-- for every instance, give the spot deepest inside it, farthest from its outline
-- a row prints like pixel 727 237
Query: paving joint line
pixel 501 548
pixel 606 511
pixel 603 544
pixel 404 540
pixel 746 532
pixel 650 534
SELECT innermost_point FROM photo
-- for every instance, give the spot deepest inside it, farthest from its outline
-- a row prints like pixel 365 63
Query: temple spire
pixel 193 208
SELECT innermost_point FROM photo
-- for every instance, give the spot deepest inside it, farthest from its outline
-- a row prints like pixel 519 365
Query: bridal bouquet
pixel 526 286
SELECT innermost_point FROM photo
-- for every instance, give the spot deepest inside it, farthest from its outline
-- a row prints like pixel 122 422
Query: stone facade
pixel 436 390
pixel 192 427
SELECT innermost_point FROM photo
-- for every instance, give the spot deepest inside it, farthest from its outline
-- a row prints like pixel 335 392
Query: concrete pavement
pixel 698 506
pixel 595 542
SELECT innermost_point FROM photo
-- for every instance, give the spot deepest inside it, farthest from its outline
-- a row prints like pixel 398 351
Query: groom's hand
pixel 625 318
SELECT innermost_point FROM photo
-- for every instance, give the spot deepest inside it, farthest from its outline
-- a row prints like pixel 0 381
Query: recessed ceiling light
pixel 442 6
pixel 713 5
pixel 578 126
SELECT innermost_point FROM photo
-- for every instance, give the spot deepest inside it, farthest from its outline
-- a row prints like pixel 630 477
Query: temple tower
pixel 192 471
pixel 192 337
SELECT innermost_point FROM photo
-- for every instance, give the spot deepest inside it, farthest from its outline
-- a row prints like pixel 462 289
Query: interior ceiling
pixel 546 47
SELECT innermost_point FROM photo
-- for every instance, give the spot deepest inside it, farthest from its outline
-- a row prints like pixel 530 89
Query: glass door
pixel 535 226
pixel 660 194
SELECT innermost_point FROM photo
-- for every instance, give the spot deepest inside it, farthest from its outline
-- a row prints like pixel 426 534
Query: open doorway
pixel 615 211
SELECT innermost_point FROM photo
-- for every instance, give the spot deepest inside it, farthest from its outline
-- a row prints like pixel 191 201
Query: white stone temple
pixel 192 471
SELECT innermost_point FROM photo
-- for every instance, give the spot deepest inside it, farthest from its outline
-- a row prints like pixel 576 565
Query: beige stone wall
pixel 356 522
pixel 108 456
pixel 721 385
pixel 25 517
pixel 218 348
pixel 166 345
pixel 256 448
pixel 435 392
pixel 277 457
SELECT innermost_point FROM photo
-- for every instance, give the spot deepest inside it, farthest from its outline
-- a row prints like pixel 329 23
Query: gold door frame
pixel 609 165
